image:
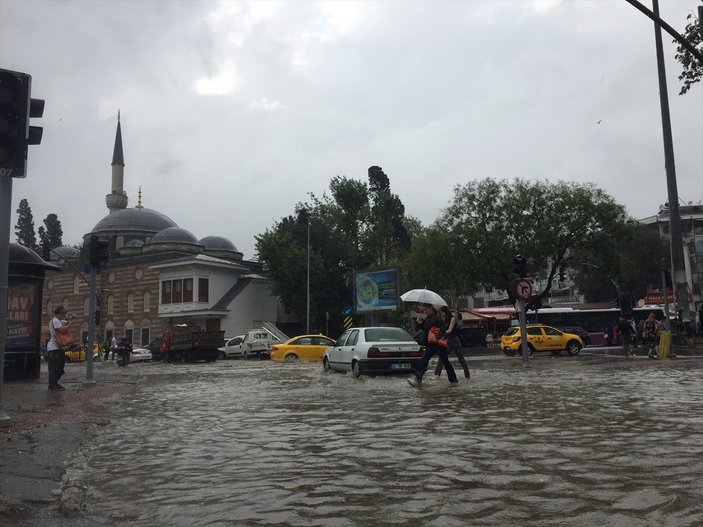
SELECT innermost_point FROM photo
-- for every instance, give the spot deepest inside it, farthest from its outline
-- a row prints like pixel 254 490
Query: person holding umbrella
pixel 454 344
pixel 434 330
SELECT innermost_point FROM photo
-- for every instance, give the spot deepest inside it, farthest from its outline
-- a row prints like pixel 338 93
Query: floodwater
pixel 569 441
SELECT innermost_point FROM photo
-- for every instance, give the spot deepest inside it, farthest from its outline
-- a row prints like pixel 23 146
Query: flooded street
pixel 583 441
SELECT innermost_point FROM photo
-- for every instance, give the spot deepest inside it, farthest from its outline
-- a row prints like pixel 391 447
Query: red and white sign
pixel 523 289
pixel 658 298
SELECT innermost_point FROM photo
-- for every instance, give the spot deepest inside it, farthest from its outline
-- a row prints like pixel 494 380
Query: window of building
pixel 188 290
pixel 177 291
pixel 129 331
pixel 64 303
pixel 49 308
pixel 130 302
pixel 119 242
pixel 147 301
pixel 166 292
pixel 110 304
pixel 145 336
pixel 203 292
pixel 76 284
pixel 86 305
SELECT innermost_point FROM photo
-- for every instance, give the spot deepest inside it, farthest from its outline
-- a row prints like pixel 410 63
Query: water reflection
pixel 568 442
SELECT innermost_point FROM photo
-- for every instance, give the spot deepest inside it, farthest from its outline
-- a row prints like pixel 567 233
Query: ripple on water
pixel 248 443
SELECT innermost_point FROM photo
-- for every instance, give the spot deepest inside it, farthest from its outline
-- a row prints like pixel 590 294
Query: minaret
pixel 117 199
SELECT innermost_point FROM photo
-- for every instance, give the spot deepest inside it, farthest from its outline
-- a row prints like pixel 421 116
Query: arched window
pixel 109 330
pixel 76 283
pixel 129 331
pixel 147 301
pixel 64 303
pixel 86 305
pixel 119 242
pixel 145 335
pixel 130 303
pixel 49 308
pixel 110 304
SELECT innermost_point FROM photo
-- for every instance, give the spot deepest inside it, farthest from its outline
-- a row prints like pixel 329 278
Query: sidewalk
pixel 46 428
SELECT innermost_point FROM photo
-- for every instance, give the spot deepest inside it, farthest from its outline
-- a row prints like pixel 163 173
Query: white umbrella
pixel 424 296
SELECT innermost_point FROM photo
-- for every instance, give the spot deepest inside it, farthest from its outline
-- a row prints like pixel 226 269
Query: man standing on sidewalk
pixel 55 353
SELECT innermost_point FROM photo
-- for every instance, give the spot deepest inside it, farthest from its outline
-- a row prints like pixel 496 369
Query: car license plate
pixel 400 366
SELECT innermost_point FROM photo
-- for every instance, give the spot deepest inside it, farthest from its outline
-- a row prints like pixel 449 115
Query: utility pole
pixel 677 249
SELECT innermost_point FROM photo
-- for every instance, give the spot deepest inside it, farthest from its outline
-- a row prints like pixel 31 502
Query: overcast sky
pixel 232 112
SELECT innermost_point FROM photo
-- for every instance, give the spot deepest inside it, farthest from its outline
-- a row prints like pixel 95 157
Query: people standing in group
pixel 650 334
pixel 435 326
pixel 56 356
pixel 624 331
pixel 453 342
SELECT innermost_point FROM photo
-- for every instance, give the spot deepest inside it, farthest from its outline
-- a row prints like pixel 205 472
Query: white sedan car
pixel 140 354
pixel 373 351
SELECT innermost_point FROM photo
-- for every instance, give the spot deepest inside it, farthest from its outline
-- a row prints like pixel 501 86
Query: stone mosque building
pixel 159 274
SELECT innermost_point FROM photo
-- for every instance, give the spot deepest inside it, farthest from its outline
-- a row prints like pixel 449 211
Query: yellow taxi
pixel 77 353
pixel 303 347
pixel 540 338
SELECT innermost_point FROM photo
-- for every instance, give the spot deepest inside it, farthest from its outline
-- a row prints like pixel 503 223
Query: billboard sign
pixel 376 291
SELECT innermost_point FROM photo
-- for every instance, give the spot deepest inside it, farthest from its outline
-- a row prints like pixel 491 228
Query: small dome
pixel 135 219
pixel 65 252
pixel 217 243
pixel 174 235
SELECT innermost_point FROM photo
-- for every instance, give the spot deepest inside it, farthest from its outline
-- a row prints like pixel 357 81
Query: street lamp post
pixel 307 314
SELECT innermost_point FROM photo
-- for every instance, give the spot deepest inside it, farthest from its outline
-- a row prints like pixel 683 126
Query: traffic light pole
pixel 523 332
pixel 5 206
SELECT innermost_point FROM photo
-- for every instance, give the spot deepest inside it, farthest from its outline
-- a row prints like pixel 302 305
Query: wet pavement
pixel 570 441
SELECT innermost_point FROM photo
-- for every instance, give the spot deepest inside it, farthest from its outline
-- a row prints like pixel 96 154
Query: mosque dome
pixel 217 243
pixel 174 235
pixel 65 252
pixel 221 247
pixel 134 219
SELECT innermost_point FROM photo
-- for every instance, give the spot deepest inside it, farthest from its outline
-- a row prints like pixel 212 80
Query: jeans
pixel 425 360
pixel 455 347
pixel 57 360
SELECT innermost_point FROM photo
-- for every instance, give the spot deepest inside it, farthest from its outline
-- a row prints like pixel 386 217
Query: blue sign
pixel 376 291
pixel 347 311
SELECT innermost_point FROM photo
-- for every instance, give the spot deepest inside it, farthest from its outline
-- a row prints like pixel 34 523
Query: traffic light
pixel 97 317
pixel 16 108
pixel 520 268
pixel 562 274
pixel 99 252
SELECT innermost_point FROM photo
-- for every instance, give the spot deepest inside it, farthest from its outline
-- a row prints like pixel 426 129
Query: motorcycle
pixel 123 353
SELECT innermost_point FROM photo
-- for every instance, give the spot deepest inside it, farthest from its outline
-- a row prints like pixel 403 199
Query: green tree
pixel 353 227
pixel 24 229
pixel 51 233
pixel 692 68
pixel 629 264
pixel 491 221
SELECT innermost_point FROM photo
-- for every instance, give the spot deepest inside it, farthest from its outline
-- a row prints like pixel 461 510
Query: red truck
pixel 190 343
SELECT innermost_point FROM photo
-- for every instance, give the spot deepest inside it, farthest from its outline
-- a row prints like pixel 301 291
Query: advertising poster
pixel 376 291
pixel 20 326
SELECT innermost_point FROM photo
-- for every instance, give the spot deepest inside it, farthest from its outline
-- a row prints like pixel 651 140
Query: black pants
pixel 429 353
pixel 454 347
pixel 57 360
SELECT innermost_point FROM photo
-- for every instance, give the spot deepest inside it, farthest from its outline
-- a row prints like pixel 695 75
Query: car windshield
pixel 511 332
pixel 387 335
